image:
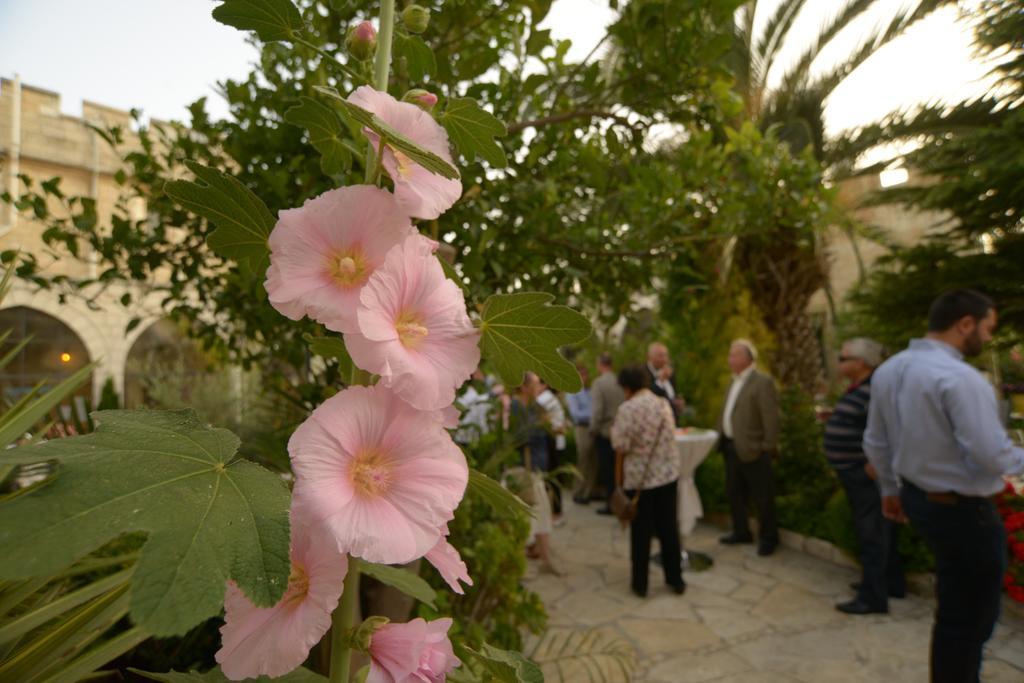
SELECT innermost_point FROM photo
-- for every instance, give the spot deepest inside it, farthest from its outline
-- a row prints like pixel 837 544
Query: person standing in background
pixel 606 397
pixel 749 426
pixel 881 567
pixel 580 410
pixel 647 466
pixel 554 420
pixel 935 440
pixel 662 378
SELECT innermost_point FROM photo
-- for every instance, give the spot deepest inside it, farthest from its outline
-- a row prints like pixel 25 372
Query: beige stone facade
pixel 40 142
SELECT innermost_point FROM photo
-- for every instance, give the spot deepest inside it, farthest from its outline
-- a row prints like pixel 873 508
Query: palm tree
pixel 793 113
pixel 795 108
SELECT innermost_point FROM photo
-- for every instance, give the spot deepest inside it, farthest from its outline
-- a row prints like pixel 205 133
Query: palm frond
pixel 936 119
pixel 775 33
pixel 797 74
pixel 592 654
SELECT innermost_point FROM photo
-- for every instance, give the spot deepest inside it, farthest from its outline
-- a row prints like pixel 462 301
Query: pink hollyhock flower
pixel 421 193
pixel 322 253
pixel 413 328
pixel 449 564
pixel 411 653
pixel 382 476
pixel 271 641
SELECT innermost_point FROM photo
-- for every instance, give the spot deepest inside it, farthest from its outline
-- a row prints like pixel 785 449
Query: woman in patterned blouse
pixel 643 435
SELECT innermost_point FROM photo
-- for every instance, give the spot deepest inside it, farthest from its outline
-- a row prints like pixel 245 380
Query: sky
pixel 160 55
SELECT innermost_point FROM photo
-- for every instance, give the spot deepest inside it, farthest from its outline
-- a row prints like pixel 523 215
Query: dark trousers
pixel 605 464
pixel 751 480
pixel 880 561
pixel 969 543
pixel 656 514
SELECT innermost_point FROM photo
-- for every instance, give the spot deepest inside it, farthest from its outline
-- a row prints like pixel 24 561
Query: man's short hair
pixel 868 350
pixel 953 305
pixel 605 359
pixel 633 378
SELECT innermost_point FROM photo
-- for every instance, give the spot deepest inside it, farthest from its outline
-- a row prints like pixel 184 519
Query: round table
pixel 693 446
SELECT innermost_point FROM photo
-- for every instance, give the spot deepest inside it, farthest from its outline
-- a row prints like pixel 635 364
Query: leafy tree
pixel 968 169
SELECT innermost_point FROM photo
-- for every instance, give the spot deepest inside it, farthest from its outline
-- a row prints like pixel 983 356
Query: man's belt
pixel 946 497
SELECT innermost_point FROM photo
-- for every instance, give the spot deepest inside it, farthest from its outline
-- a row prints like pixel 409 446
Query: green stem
pixel 341 623
pixel 381 69
pixel 382 60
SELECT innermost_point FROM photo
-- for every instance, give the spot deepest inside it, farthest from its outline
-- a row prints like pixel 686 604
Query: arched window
pixel 163 359
pixel 52 353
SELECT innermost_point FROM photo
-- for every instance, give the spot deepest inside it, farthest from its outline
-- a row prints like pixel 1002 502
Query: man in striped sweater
pixel 882 575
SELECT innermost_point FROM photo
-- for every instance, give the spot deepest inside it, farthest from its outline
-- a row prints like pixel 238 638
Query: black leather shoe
pixel 733 539
pixel 639 593
pixel 898 594
pixel 766 548
pixel 856 606
pixel 581 500
pixel 605 511
pixel 678 588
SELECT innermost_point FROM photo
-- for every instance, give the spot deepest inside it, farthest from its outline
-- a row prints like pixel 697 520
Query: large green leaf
pixel 270 19
pixel 501 500
pixel 392 137
pixel 402 579
pixel 419 58
pixel 326 133
pixel 243 221
pixel 473 130
pixel 211 516
pixel 522 332
pixel 504 666
pixel 300 675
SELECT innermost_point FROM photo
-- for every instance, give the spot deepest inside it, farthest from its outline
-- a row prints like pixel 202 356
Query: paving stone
pixel 748 593
pixel 732 623
pixel 748 619
pixel 696 668
pixel 668 606
pixel 792 607
pixel 657 636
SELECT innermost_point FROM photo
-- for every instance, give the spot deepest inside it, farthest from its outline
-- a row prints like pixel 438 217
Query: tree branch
pixel 566 116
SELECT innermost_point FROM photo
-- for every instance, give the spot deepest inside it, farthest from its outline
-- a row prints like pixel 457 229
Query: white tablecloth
pixel 693 447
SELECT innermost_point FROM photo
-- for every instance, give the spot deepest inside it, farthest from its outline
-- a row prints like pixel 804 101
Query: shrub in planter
pixel 1011 509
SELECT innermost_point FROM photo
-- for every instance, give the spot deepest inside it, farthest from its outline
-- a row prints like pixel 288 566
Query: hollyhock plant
pixel 271 641
pixel 413 328
pixel 323 253
pixel 421 193
pixel 380 475
pixel 416 652
pixel 449 564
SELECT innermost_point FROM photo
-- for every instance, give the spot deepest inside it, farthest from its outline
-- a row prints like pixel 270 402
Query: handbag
pixel 623 506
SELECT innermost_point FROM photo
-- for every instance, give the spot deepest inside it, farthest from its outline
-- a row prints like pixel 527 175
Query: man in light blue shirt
pixel 935 440
pixel 581 410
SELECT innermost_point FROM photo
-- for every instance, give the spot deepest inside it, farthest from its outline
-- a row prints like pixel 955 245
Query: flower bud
pixel 416 18
pixel 421 98
pixel 362 41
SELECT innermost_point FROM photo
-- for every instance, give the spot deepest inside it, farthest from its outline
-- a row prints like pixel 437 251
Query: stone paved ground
pixel 746 620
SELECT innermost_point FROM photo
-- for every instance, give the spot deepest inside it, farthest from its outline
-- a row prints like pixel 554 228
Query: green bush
pixel 497 608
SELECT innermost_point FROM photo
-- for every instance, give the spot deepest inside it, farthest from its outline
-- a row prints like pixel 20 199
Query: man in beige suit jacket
pixel 749 425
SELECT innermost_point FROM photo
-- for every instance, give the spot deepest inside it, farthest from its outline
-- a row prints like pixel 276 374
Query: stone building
pixel 40 142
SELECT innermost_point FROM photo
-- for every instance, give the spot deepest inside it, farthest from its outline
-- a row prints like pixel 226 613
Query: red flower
pixel 1007 580
pixel 1016 592
pixel 1018 551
